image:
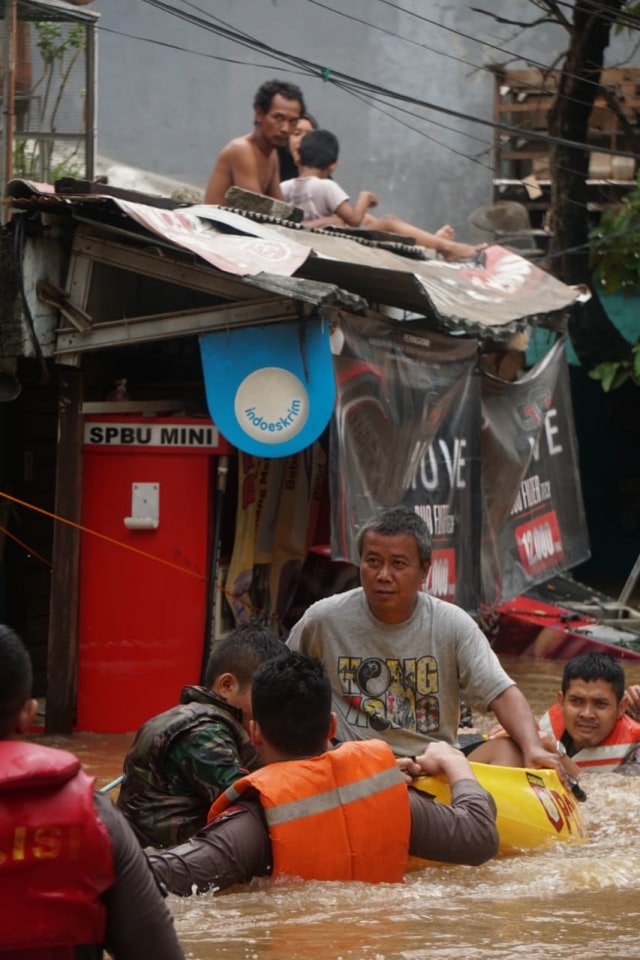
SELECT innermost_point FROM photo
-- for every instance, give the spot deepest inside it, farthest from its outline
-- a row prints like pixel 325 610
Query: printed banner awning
pixel 495 296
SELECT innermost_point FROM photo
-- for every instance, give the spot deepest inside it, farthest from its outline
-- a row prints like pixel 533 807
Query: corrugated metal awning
pixel 493 297
pixel 57 10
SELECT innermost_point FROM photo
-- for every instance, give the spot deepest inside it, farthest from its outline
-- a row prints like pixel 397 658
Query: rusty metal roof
pixel 493 297
pixel 57 10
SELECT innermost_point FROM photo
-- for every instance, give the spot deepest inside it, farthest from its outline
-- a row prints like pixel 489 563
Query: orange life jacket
pixel 55 854
pixel 343 815
pixel 613 750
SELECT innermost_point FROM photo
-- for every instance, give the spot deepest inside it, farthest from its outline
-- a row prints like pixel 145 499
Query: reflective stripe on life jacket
pixel 609 754
pixel 343 815
pixel 55 852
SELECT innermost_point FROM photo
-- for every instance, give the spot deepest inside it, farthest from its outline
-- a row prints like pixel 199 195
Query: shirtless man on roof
pixel 251 161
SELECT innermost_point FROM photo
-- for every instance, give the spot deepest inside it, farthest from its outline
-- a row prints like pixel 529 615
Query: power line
pixel 374 103
pixel 371 100
pixel 193 53
pixel 487 68
pixel 359 89
pixel 335 76
pixel 484 43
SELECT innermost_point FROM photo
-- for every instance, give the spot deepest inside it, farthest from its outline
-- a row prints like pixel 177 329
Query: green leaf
pixel 608 376
pixel 622 374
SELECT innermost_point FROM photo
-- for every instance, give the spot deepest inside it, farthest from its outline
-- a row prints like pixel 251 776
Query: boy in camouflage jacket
pixel 182 759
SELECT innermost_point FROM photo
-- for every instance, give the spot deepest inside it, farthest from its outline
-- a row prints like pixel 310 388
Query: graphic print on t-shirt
pixel 382 693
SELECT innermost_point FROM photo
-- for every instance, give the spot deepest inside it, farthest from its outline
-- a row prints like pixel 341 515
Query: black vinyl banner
pixel 533 515
pixel 407 430
pixel 492 469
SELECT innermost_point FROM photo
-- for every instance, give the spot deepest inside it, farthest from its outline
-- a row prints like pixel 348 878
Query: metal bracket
pixel 145 507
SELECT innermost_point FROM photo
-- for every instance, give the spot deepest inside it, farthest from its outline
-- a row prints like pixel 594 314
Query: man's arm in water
pixel 465 831
pixel 233 849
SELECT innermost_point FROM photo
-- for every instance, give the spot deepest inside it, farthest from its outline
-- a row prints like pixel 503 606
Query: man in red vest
pixel 316 812
pixel 589 722
pixel 73 877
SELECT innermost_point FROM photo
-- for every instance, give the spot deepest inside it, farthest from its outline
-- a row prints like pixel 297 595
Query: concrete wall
pixel 170 108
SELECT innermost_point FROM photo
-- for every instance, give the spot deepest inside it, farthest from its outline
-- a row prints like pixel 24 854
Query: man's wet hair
pixel 595 666
pixel 16 678
pixel 291 697
pixel 319 148
pixel 397 521
pixel 241 652
pixel 267 91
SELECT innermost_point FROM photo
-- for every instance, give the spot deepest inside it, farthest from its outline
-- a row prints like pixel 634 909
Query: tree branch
pixel 555 15
pixel 629 130
pixel 513 23
pixel 554 9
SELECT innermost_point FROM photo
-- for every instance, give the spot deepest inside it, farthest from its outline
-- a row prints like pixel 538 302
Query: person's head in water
pixel 395 556
pixel 291 707
pixel 17 708
pixel 592 698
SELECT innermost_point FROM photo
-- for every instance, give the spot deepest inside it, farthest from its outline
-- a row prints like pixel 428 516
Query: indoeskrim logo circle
pixel 271 405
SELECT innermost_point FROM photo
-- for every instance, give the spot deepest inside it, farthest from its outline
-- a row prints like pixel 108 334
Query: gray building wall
pixel 171 94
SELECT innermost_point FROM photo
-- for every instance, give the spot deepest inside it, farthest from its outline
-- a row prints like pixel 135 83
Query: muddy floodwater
pixel 565 902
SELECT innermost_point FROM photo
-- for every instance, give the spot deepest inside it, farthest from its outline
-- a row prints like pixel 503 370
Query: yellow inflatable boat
pixel 534 807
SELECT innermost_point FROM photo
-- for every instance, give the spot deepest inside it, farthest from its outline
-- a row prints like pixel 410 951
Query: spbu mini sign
pixel 271 389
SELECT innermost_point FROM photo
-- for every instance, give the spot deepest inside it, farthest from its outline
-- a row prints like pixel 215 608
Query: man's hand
pixel 632 694
pixel 438 758
pixel 371 198
pixel 550 748
pixel 536 758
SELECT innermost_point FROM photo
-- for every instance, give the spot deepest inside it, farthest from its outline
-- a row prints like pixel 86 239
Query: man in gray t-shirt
pixel 398 658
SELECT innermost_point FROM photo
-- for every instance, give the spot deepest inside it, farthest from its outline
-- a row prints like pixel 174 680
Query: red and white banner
pixel 534 524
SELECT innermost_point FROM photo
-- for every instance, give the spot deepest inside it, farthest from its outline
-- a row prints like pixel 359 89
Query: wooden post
pixel 9 91
pixel 63 607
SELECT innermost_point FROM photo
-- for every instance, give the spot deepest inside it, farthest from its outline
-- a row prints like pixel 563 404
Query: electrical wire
pixel 488 68
pixel 470 158
pixel 484 43
pixel 632 23
pixel 336 77
pixel 192 53
pixel 361 89
pixel 373 102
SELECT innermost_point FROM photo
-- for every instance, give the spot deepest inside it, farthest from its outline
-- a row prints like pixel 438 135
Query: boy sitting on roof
pixel 325 203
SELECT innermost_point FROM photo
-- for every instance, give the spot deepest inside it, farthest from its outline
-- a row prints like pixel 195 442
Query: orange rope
pixel 101 536
pixel 21 543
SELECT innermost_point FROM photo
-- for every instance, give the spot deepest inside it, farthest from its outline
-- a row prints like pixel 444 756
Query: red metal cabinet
pixel 144 580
